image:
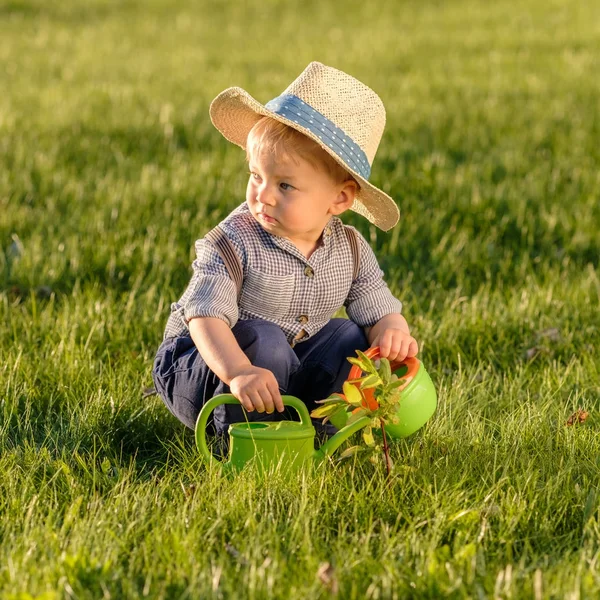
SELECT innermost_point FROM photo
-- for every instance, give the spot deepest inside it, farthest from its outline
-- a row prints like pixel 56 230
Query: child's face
pixel 293 199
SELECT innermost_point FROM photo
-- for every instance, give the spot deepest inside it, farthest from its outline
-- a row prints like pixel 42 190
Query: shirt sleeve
pixel 369 298
pixel 211 292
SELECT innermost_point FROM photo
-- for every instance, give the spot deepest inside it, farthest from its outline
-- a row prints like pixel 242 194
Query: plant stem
pixel 385 450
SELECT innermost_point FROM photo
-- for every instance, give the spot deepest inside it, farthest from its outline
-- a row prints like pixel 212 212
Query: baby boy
pixel 256 317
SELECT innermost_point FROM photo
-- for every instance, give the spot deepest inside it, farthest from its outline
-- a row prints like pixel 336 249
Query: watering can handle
pixel 230 399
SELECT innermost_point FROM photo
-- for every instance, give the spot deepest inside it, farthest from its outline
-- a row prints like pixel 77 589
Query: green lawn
pixel 110 169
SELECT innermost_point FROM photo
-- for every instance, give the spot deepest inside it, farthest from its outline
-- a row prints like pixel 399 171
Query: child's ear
pixel 345 197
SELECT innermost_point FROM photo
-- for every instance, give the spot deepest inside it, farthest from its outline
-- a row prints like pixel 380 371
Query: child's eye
pixel 287 186
pixel 254 175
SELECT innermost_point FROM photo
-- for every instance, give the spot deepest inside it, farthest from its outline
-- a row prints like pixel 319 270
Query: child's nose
pixel 264 196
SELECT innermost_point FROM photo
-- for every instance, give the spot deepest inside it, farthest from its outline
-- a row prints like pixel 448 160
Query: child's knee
pixel 352 337
pixel 266 346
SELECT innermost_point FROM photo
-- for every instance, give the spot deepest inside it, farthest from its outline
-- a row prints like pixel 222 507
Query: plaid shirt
pixel 280 284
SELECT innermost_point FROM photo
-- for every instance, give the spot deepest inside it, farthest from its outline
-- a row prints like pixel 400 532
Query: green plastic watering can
pixel 418 399
pixel 286 443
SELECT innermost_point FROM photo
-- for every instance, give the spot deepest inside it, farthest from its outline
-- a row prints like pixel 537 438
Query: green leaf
pixel 348 452
pixel 359 363
pixel 352 394
pixel 333 398
pixel 326 410
pixel 369 367
pixel 370 381
pixel 385 370
pixel 333 403
pixel 368 438
pixel 394 384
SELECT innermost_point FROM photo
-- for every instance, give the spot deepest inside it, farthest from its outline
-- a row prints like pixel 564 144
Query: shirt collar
pixel 285 244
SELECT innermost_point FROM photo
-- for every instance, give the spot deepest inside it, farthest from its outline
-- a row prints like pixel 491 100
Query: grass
pixel 110 169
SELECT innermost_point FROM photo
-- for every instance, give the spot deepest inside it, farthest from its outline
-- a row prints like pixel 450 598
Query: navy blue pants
pixel 311 370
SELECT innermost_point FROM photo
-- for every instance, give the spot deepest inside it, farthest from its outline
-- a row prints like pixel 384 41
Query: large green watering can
pixel 286 443
pixel 418 399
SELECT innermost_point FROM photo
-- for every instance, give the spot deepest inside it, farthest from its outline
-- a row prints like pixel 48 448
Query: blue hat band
pixel 298 111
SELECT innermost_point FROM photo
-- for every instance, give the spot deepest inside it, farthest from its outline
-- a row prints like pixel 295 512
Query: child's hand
pixel 257 388
pixel 396 344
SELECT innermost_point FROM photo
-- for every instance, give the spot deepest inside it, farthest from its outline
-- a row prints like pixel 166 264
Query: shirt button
pixel 328 231
pixel 303 319
pixel 308 271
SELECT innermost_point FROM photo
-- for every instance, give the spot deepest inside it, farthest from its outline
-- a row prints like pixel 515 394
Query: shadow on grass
pixel 148 438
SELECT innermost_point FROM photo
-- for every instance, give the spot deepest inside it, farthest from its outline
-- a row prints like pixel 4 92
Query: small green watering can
pixel 287 443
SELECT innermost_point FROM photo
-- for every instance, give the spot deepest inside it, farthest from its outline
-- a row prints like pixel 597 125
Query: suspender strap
pixel 233 264
pixel 228 254
pixel 355 248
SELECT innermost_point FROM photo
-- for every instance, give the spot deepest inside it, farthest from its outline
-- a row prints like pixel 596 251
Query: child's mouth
pixel 266 218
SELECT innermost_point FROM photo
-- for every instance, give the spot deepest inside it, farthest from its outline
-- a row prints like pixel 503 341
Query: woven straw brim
pixel 234 112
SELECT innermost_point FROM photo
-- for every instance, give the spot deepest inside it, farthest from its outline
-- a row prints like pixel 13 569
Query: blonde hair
pixel 270 136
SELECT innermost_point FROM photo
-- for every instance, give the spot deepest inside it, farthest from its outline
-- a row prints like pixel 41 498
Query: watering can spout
pixel 331 445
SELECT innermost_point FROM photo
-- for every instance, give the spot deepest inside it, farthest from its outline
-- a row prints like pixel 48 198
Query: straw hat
pixel 338 112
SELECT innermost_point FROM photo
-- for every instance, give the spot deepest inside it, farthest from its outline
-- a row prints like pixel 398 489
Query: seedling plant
pixel 375 394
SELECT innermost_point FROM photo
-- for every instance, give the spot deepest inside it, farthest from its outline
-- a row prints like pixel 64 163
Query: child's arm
pixel 392 335
pixel 371 305
pixel 254 387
